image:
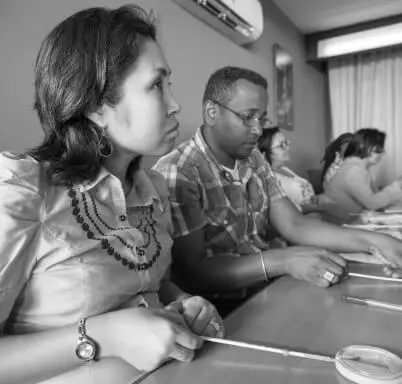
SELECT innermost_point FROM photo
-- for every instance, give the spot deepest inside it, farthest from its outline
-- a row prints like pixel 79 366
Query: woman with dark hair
pixel 333 157
pixel 85 235
pixel 351 186
pixel 275 148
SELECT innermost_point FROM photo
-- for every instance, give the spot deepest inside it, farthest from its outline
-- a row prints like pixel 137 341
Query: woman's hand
pixel 317 266
pixel 389 249
pixel 146 338
pixel 200 316
pixel 325 200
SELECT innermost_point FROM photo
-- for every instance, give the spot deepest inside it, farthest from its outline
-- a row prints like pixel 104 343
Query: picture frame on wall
pixel 283 84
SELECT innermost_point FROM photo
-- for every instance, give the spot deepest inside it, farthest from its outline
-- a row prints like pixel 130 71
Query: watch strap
pixel 82 330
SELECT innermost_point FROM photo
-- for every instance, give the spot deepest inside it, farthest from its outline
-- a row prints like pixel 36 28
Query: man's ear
pixel 98 117
pixel 211 113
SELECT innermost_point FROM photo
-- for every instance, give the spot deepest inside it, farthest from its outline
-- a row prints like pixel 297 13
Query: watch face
pixel 85 350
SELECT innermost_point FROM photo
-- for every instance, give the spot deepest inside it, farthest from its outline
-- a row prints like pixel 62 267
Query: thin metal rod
pixel 395 211
pixel 259 347
pixel 374 277
pixel 372 303
pixel 374 226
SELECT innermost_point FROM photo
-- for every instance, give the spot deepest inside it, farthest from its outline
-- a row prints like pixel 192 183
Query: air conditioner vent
pixel 240 20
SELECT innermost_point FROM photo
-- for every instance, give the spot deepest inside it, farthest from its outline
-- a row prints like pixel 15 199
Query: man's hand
pixel 317 266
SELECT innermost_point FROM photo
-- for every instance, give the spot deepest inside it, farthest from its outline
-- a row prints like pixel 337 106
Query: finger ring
pixel 215 324
pixel 329 276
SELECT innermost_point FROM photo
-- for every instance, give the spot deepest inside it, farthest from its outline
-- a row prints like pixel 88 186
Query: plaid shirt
pixel 234 213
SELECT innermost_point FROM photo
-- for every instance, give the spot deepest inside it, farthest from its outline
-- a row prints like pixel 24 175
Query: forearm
pixel 359 187
pixel 380 199
pixel 316 233
pixel 310 208
pixel 315 204
pixel 35 357
pixel 227 273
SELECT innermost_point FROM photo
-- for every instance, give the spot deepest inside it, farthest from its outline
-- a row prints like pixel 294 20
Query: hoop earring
pixel 105 145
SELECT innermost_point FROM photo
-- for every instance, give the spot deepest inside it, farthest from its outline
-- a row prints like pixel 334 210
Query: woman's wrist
pixel 100 329
pixel 182 297
pixel 314 200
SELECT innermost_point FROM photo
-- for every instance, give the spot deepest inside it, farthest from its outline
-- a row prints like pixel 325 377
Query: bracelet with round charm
pixel 86 349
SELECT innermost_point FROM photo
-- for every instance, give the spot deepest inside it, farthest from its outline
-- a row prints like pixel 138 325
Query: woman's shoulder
pixel 20 169
pixel 286 173
pixel 351 172
pixel 353 165
pixel 353 162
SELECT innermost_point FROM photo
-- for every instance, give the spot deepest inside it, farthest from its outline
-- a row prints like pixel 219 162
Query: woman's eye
pixel 158 85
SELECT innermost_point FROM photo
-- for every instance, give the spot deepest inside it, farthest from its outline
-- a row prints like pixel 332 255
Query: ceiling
pixel 321 15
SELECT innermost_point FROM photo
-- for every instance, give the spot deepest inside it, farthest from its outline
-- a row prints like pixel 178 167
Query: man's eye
pixel 251 116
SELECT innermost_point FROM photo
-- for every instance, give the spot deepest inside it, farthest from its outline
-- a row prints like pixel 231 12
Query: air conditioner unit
pixel 240 20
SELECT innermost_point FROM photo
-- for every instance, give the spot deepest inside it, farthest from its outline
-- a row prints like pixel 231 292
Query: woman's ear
pixel 98 117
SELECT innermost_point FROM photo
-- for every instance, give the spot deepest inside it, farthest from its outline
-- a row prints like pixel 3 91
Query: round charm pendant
pixel 85 349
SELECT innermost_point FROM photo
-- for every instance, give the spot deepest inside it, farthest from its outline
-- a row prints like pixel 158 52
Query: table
pixel 297 315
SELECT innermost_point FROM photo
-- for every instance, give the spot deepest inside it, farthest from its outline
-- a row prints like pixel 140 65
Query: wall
pixel 193 50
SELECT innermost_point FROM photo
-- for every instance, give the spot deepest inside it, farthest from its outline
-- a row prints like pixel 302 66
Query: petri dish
pixel 364 364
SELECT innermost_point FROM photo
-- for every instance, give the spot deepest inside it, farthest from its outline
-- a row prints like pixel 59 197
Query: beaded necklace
pixel 146 225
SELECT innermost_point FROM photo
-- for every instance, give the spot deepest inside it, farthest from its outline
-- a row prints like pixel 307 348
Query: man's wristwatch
pixel 86 349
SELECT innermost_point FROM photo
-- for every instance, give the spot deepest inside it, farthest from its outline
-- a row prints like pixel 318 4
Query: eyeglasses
pixel 248 120
pixel 282 145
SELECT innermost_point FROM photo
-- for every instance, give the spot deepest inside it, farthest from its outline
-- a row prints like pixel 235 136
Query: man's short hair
pixel 222 83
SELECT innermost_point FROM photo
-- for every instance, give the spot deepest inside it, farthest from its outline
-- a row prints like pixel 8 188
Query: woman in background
pixel 351 186
pixel 333 157
pixel 275 147
pixel 85 235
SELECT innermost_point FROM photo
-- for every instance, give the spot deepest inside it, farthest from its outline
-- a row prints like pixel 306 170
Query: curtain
pixel 366 91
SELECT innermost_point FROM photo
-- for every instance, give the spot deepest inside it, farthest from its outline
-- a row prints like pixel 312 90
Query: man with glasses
pixel 225 197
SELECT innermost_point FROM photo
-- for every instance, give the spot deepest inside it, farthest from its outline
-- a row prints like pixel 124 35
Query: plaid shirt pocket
pixel 221 232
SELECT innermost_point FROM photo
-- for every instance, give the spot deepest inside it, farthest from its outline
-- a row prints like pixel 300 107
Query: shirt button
pixel 123 218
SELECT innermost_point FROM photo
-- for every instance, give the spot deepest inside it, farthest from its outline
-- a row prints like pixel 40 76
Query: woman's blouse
pixel 352 189
pixel 332 169
pixel 297 189
pixel 74 251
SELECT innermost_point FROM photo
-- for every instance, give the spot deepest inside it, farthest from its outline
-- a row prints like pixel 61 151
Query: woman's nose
pixel 173 106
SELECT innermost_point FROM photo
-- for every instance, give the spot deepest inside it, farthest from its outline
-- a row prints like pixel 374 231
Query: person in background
pixel 224 195
pixel 274 145
pixel 351 186
pixel 333 157
pixel 85 235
